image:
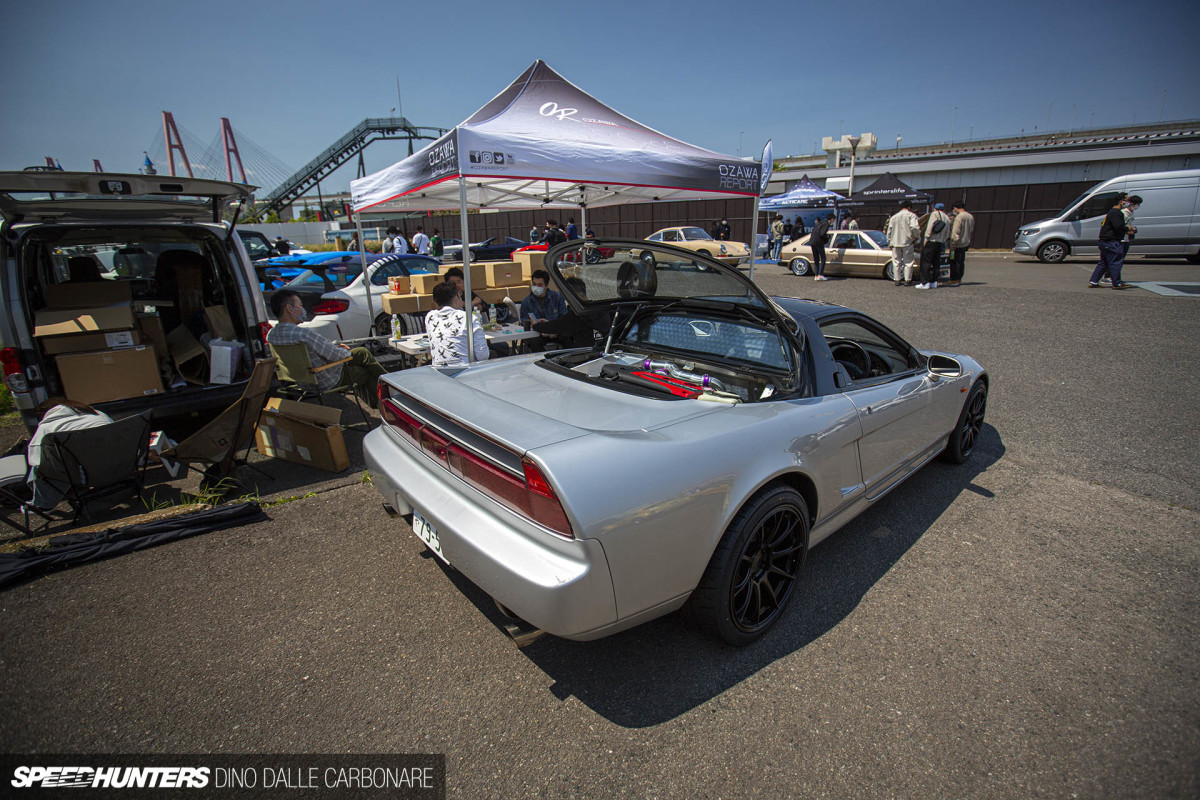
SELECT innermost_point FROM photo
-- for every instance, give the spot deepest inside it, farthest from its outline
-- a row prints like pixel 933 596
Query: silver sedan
pixel 694 454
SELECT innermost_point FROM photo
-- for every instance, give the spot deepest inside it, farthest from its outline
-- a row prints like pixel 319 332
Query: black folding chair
pixel 93 464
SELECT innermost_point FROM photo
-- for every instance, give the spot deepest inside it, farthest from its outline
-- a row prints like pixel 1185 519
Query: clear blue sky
pixel 88 80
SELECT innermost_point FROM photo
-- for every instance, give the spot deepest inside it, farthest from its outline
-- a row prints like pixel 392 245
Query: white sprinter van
pixel 1167 222
pixel 114 287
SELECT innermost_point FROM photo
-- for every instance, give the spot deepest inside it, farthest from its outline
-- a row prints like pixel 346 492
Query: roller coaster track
pixel 344 149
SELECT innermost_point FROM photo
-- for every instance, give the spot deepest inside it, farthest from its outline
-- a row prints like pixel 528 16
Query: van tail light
pixel 14 375
pixel 263 329
pixel 529 495
pixel 330 307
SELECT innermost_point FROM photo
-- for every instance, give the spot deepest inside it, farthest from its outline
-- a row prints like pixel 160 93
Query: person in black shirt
pixel 816 242
pixel 723 231
pixel 1112 252
pixel 553 234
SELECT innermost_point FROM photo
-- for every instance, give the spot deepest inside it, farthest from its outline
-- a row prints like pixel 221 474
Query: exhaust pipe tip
pixel 522 633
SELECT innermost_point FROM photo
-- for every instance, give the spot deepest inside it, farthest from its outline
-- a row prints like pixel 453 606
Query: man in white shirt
pixel 400 243
pixel 421 242
pixel 903 231
pixel 447 329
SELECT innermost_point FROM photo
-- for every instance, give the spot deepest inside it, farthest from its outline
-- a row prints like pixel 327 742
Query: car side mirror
pixel 944 367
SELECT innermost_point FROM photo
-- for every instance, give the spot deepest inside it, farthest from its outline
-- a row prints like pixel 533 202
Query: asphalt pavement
pixel 1023 625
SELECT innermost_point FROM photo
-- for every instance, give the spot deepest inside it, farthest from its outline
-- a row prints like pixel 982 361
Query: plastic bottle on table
pixel 397 327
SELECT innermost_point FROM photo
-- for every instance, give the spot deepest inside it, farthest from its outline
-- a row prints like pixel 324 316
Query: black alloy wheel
pixel 970 425
pixel 756 567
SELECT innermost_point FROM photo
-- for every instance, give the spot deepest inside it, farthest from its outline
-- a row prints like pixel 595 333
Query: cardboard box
pixel 152 333
pixel 424 283
pixel 530 260
pixel 223 358
pixel 88 295
pixel 302 432
pixel 85 342
pixel 478 274
pixel 219 323
pixel 518 293
pixel 503 273
pixel 190 357
pixel 399 284
pixel 407 303
pixel 83 310
pixel 109 374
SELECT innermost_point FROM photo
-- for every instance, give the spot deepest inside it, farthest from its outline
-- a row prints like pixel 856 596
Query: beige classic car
pixel 698 240
pixel 863 254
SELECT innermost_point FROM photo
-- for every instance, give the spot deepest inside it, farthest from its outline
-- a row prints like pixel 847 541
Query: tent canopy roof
pixel 886 190
pixel 545 143
pixel 805 194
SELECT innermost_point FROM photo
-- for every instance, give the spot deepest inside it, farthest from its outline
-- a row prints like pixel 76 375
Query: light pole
pixel 899 139
pixel 853 140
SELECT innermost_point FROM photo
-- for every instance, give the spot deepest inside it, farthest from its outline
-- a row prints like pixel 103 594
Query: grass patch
pixel 9 416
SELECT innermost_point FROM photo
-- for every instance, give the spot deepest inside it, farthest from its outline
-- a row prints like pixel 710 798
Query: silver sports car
pixel 694 454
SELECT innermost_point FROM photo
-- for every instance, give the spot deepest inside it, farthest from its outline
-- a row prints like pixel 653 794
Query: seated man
pixel 577 330
pixel 543 304
pixel 447 329
pixel 362 371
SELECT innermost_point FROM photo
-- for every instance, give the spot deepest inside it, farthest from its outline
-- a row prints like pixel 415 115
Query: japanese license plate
pixel 428 534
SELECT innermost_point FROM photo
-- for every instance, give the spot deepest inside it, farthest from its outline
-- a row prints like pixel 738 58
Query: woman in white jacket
pixel 447 329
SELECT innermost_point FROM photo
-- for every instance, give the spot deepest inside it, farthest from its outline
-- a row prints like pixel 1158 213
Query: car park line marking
pixel 1170 288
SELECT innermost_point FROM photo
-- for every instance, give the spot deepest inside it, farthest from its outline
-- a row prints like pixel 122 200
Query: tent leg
pixel 362 253
pixel 466 262
pixel 754 238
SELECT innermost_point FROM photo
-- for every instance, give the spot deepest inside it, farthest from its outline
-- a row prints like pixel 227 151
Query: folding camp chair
pixel 217 445
pixel 14 492
pixel 91 464
pixel 299 377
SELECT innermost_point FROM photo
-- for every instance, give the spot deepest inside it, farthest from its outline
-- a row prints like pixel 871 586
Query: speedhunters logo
pixel 110 777
pixel 742 177
pixel 489 158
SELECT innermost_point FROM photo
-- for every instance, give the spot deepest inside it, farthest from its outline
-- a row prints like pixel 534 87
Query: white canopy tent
pixel 545 143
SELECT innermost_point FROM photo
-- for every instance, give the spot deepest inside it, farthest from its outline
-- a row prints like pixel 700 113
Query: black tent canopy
pixel 885 191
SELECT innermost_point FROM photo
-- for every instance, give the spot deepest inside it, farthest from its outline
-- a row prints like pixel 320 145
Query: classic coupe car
pixel 698 241
pixel 496 248
pixel 695 456
pixel 863 254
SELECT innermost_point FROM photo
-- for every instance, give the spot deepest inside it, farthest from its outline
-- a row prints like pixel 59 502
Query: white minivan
pixel 1167 222
pixel 126 292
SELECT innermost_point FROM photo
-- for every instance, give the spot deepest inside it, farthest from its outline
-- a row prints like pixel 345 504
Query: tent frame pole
pixel 362 254
pixel 754 238
pixel 466 268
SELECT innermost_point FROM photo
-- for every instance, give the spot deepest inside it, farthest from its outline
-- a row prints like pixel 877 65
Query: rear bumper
pixel 562 586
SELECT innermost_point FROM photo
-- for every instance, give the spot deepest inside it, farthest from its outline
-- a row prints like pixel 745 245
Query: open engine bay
pixel 655 375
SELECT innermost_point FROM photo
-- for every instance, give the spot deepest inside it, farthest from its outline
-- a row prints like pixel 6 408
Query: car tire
pixel 383 325
pixel 799 265
pixel 647 258
pixel 1194 258
pixel 1053 251
pixel 892 272
pixel 969 427
pixel 755 569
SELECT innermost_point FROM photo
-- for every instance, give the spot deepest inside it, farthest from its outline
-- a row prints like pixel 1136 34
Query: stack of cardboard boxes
pixel 491 280
pixel 106 350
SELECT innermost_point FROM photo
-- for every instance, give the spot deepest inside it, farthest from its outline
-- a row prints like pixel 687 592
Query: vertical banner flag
pixel 767 167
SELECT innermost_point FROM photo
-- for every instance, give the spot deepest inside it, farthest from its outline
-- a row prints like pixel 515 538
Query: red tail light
pixel 531 497
pixel 331 307
pixel 14 376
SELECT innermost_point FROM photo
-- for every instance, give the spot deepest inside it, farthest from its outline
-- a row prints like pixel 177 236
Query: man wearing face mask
pixel 362 371
pixel 543 304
